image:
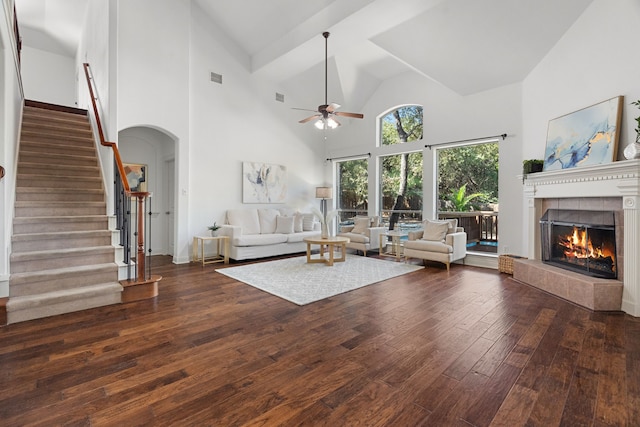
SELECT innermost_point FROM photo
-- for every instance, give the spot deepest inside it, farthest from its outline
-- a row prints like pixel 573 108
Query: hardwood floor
pixel 467 348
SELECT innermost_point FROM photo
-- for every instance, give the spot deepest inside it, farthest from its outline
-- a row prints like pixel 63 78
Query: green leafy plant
pixel 532 166
pixel 637 119
pixel 461 201
pixel 214 227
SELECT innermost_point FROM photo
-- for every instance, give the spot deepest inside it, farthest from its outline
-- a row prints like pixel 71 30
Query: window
pixel 403 124
pixel 401 190
pixel 352 197
pixel 468 191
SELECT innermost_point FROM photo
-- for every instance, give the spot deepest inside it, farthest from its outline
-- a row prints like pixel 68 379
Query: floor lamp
pixel 323 193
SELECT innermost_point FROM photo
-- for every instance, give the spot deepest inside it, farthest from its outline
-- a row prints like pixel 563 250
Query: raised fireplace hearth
pixel 612 187
pixel 582 241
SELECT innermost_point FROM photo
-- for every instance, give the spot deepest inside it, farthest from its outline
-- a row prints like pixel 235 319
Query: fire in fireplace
pixel 582 241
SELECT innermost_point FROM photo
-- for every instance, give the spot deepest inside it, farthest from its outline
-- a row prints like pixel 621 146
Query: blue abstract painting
pixel 586 137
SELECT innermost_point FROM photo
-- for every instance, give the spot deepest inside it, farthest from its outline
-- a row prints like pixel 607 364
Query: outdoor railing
pixel 480 226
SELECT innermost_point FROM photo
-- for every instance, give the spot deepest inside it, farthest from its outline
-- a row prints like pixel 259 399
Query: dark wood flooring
pixel 467 348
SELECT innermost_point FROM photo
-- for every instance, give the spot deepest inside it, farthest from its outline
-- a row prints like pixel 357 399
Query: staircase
pixel 62 258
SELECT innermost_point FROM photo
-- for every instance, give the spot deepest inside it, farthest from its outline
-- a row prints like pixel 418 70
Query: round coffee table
pixel 329 243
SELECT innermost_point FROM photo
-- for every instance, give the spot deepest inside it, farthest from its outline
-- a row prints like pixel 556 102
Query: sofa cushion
pixel 259 239
pixel 435 230
pixel 284 224
pixel 287 211
pixel 308 221
pixel 247 219
pixel 355 237
pixel 429 246
pixel 298 222
pixel 299 237
pixel 361 224
pixel 267 220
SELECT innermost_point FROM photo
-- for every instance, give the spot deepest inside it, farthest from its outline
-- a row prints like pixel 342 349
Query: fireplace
pixel 583 241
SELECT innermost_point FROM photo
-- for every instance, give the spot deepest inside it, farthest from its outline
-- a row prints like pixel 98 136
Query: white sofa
pixel 257 233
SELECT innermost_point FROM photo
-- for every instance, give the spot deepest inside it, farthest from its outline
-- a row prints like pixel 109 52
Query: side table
pixel 222 249
pixel 396 243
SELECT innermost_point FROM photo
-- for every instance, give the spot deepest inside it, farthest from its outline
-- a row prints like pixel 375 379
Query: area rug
pixel 301 283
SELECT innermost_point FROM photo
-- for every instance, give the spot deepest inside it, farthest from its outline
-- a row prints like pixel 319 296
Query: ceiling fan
pixel 326 112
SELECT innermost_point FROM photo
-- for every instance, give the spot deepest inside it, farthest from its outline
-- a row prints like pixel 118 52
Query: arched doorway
pixel 156 149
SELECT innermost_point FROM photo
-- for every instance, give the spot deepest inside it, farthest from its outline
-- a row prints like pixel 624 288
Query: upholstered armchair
pixel 441 241
pixel 364 234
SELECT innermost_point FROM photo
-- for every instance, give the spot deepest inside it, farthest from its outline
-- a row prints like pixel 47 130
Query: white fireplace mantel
pixel 617 179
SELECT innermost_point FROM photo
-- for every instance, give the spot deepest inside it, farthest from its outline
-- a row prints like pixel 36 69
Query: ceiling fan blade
pixel 308 119
pixel 332 107
pixel 353 115
pixel 304 109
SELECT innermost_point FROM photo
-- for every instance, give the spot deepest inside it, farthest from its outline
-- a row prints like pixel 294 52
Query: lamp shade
pixel 323 192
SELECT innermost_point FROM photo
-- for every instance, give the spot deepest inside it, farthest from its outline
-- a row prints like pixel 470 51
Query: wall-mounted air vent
pixel 279 97
pixel 215 77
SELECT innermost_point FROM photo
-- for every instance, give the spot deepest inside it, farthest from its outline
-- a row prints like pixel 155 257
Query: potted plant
pixel 632 151
pixel 531 166
pixel 214 229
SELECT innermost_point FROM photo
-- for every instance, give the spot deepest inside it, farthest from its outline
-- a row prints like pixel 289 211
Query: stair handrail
pixel 103 141
pixel 139 195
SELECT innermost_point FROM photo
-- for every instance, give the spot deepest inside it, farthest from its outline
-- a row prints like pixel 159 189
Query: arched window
pixel 400 125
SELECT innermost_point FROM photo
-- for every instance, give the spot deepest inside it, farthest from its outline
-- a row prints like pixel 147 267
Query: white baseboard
pixel 4 286
pixel 481 260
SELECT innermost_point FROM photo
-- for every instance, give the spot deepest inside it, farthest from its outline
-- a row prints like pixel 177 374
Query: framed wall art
pixel 585 137
pixel 136 176
pixel 263 183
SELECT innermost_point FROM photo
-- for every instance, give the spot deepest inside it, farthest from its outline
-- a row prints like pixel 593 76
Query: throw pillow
pixel 308 220
pixel 435 230
pixel 284 224
pixel 298 220
pixel 360 225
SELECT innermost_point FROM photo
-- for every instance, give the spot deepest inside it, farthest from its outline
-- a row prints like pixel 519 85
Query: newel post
pixel 140 257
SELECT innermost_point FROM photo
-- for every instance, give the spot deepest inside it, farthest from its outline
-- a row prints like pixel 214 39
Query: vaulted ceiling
pixel 467 46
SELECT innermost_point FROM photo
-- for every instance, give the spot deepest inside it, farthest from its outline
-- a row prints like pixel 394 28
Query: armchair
pixel 364 234
pixel 441 241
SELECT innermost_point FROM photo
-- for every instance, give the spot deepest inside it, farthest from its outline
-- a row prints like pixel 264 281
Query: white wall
pixel 239 120
pixel 153 84
pixel 98 49
pixel 596 59
pixel 166 51
pixel 48 77
pixel 10 119
pixel 447 117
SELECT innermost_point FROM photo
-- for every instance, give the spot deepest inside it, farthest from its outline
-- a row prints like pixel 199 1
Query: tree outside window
pixel 401 190
pixel 401 180
pixel 352 185
pixel 404 124
pixel 468 190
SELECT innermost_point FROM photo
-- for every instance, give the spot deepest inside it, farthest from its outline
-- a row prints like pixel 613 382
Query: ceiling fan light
pixel 320 124
pixel 332 124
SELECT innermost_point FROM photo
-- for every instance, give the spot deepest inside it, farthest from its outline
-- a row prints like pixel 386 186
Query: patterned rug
pixel 301 283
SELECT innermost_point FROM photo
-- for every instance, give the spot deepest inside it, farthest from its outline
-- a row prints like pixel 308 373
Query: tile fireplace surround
pixel 614 186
